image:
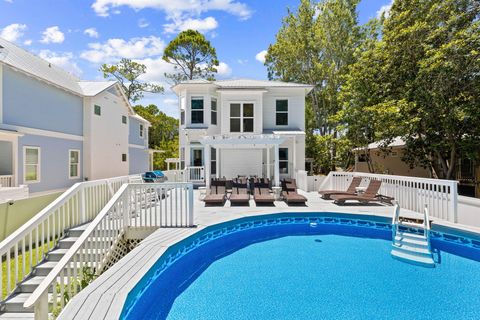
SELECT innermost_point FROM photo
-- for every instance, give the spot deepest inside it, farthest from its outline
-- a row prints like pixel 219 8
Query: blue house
pixel 56 130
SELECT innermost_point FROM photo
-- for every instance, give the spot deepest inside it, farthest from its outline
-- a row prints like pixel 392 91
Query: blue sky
pixel 79 35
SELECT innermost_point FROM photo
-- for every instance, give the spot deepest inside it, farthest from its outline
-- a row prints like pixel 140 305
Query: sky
pixel 80 35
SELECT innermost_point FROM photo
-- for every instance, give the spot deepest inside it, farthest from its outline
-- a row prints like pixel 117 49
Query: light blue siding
pixel 138 162
pixel 54 169
pixel 134 132
pixel 31 103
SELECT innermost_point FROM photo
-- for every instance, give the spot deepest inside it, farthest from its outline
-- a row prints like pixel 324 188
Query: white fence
pixel 13 193
pixel 6 181
pixel 412 193
pixel 195 174
pixel 134 205
pixel 79 204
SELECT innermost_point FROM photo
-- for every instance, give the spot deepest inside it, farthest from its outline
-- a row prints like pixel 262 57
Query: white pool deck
pixel 105 297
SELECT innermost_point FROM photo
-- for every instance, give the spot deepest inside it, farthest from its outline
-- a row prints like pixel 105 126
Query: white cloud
pixel 201 25
pixel 13 31
pixel 223 70
pixel 143 23
pixel 261 56
pixel 114 49
pixel 52 35
pixel 170 101
pixel 175 8
pixel 242 61
pixel 91 32
pixel 28 42
pixel 63 60
pixel 385 9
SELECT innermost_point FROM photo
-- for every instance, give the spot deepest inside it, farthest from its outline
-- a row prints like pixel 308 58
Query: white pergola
pixel 257 141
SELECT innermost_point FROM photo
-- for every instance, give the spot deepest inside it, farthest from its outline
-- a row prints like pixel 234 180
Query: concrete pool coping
pixel 105 297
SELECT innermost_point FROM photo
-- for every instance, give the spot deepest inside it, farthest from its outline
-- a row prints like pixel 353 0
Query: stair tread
pixel 412 249
pixel 36 280
pixel 405 256
pixel 412 241
pixel 17 316
pixel 412 224
pixel 411 235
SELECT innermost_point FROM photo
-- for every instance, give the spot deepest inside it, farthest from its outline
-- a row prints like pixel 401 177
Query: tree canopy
pixel 128 73
pixel 192 57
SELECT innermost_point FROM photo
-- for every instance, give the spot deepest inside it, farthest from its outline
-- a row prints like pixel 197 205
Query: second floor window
pixel 97 110
pixel 141 131
pixel 281 114
pixel 124 119
pixel 197 110
pixel 241 117
pixel 214 111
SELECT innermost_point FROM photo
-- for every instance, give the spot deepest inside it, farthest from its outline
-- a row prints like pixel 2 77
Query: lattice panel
pixel 122 248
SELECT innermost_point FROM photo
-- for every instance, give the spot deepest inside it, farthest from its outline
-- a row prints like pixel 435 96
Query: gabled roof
pixel 242 84
pixel 92 88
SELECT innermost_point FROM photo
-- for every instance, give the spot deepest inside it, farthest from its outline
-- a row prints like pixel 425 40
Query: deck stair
pixel 12 307
pixel 411 239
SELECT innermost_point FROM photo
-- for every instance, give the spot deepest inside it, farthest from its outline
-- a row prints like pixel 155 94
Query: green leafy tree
pixel 316 45
pixel 128 73
pixel 192 57
pixel 163 134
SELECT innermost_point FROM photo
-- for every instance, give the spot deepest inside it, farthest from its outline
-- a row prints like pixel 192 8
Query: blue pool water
pixel 305 270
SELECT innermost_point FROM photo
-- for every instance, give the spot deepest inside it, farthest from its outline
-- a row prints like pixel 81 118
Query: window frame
pixel 38 165
pixel 241 117
pixel 141 127
pixel 95 106
pixel 70 163
pixel 197 110
pixel 124 119
pixel 126 158
pixel 283 161
pixel 212 111
pixel 213 161
pixel 282 112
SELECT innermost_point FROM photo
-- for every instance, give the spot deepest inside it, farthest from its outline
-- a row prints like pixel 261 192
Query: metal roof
pixel 92 88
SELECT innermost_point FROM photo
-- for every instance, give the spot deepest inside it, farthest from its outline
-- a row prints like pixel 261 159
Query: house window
pixel 197 110
pixel 182 158
pixel 214 111
pixel 283 160
pixel 124 157
pixel 97 110
pixel 182 117
pixel 281 112
pixel 141 131
pixel 74 164
pixel 124 119
pixel 241 117
pixel 213 166
pixel 31 159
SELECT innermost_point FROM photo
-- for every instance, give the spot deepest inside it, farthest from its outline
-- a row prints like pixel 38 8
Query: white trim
pixel 46 133
pixel 137 146
pixel 46 193
pixel 38 165
pixel 69 164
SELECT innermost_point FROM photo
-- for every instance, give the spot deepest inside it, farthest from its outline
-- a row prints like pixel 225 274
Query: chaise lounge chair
pixel 261 193
pixel 326 194
pixel 370 194
pixel 239 192
pixel 218 193
pixel 290 194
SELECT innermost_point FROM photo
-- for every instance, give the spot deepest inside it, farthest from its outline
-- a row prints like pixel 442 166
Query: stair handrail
pixel 395 218
pixel 426 225
pixel 41 232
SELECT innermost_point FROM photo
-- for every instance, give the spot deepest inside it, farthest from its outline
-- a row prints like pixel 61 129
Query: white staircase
pixel 408 246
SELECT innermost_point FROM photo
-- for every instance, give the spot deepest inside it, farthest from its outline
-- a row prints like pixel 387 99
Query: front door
pixel 197 157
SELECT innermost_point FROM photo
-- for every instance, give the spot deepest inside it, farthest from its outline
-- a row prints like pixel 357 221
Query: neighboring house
pixel 468 172
pixel 242 127
pixel 56 130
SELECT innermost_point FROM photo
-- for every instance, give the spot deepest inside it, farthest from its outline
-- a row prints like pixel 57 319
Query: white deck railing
pixel 195 174
pixel 79 204
pixel 412 193
pixel 6 181
pixel 134 205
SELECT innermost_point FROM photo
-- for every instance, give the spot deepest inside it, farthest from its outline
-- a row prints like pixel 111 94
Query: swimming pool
pixel 306 266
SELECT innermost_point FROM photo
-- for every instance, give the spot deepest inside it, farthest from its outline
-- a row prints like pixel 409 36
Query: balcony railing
pixel 6 181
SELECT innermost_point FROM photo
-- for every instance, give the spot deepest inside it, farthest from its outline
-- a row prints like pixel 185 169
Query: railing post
pixel 126 208
pixel 452 212
pixel 41 307
pixel 81 204
pixel 190 205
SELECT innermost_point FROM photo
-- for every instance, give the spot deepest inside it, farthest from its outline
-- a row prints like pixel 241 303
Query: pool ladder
pixel 411 240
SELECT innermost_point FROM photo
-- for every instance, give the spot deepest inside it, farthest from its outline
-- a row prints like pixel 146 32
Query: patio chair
pixel 326 194
pixel 261 192
pixel 290 194
pixel 218 193
pixel 370 194
pixel 239 192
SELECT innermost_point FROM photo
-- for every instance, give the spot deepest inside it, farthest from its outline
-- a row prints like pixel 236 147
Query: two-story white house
pixel 56 129
pixel 241 127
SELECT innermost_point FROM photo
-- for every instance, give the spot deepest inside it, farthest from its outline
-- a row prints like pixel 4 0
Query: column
pixel 268 162
pixel 277 167
pixel 217 163
pixel 207 164
pixel 294 156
